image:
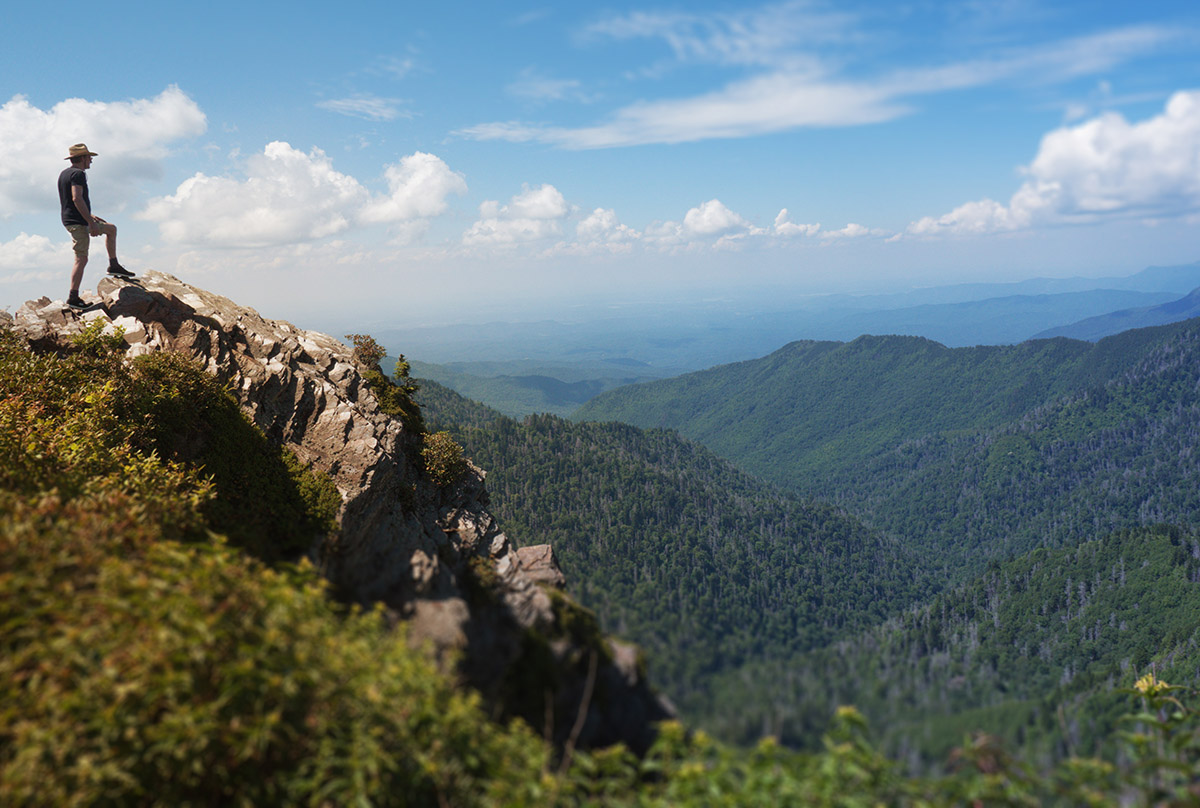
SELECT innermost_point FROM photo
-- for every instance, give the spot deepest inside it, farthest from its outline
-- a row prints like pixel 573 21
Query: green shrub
pixel 90 422
pixel 141 671
pixel 94 341
pixel 443 459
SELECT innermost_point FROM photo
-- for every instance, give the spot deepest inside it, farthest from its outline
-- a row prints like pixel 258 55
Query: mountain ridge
pixel 1104 325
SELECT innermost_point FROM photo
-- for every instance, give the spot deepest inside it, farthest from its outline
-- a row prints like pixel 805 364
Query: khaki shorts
pixel 81 237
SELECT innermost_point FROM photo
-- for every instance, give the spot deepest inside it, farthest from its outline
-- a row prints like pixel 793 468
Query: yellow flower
pixel 1149 685
pixel 848 713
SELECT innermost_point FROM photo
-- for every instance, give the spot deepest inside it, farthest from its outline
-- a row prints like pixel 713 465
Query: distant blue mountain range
pixel 551 366
pixel 1104 325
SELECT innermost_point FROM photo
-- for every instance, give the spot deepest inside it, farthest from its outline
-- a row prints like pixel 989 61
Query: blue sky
pixel 435 163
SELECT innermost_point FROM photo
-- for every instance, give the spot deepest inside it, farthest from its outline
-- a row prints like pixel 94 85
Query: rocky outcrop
pixel 433 554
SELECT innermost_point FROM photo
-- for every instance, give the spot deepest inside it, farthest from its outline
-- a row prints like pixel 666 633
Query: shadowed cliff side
pixel 428 549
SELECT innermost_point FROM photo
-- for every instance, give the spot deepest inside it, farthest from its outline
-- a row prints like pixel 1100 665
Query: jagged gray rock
pixel 402 540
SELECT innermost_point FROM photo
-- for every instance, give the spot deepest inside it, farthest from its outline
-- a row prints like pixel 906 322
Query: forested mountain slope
pixel 808 415
pixel 967 455
pixel 1030 651
pixel 1111 456
pixel 704 566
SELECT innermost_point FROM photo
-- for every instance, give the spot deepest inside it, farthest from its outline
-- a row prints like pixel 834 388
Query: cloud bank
pixel 132 139
pixel 290 196
pixel 1106 167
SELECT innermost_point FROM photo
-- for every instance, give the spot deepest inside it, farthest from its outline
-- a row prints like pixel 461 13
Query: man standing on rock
pixel 81 224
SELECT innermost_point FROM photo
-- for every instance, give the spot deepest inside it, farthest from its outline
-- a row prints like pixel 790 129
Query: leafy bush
pixel 136 670
pixel 95 340
pixel 443 459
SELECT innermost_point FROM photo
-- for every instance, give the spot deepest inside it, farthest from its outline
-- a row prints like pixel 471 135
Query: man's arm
pixel 82 206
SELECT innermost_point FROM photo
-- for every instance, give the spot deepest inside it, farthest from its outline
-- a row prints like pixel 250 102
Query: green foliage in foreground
pixel 159 427
pixel 137 671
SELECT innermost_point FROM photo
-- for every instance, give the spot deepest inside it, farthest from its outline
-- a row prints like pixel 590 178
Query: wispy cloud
pixel 531 17
pixel 367 107
pixel 534 86
pixel 396 67
pixel 805 71
pixel 1051 62
pixel 773 35
pixel 757 106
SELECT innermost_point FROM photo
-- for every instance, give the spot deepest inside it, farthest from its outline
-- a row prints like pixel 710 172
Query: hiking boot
pixel 76 302
pixel 118 271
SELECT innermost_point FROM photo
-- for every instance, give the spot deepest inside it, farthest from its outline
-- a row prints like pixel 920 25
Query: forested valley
pixel 1033 651
pixel 677 549
pixel 993 538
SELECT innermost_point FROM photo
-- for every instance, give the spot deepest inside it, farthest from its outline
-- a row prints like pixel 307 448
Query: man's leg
pixel 77 273
pixel 81 240
pixel 109 230
pixel 110 241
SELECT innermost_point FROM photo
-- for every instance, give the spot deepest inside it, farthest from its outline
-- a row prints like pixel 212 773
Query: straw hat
pixel 79 150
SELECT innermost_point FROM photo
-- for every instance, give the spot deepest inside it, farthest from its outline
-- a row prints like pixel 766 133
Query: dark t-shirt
pixel 72 175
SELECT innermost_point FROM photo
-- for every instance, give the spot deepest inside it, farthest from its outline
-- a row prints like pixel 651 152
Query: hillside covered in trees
pixel 1106 457
pixel 962 454
pixel 704 566
pixel 808 415
pixel 1032 650
pixel 1091 462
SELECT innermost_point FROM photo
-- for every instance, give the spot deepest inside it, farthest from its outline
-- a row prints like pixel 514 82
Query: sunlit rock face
pixel 402 540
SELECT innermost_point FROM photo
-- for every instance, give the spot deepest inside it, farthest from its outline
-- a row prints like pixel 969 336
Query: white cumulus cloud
pixel 33 252
pixel 417 189
pixel 131 138
pixel 713 219
pixel 532 215
pixel 852 230
pixel 1103 167
pixel 287 196
pixel 784 226
pixel 600 232
pixel 602 225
